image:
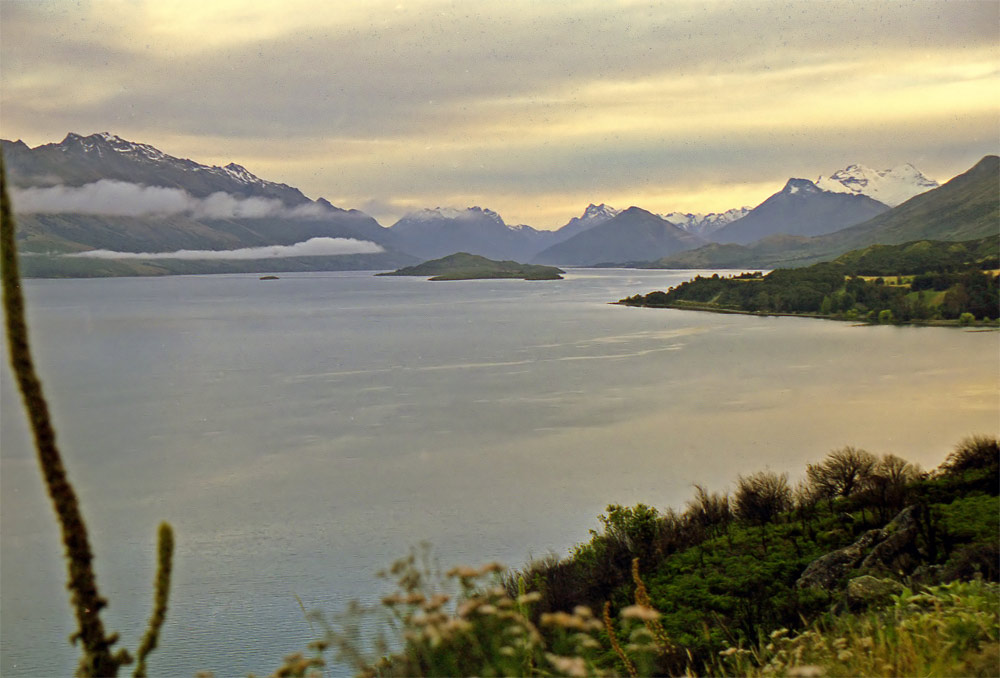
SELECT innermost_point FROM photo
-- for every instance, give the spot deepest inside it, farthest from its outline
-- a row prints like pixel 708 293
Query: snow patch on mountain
pixel 703 224
pixel 891 186
pixel 452 213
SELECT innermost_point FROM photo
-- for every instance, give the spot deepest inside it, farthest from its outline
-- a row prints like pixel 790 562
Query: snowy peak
pixel 703 224
pixel 800 187
pixel 892 186
pixel 106 143
pixel 453 214
pixel 601 211
pixel 241 174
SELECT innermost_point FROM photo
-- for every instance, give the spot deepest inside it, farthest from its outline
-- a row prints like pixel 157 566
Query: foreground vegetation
pixel 917 282
pixel 869 566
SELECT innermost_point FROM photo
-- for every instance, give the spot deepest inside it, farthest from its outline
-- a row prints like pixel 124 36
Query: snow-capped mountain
pixel 703 224
pixel 891 187
pixel 800 208
pixel 105 192
pixel 433 233
pixel 79 160
pixel 592 216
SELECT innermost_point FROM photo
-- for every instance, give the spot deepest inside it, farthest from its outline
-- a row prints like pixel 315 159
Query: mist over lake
pixel 301 434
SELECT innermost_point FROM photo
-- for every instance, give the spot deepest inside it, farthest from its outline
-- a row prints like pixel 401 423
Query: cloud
pixel 121 198
pixel 314 247
pixel 516 105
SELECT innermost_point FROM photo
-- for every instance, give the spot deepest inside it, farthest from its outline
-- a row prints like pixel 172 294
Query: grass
pixel 947 630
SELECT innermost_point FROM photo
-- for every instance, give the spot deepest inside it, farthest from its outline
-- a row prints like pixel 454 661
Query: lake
pixel 301 434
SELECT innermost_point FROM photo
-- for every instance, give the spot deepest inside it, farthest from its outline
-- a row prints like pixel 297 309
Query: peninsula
pixel 465 266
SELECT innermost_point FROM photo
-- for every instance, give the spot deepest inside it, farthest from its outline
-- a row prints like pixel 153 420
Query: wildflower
pixel 640 612
pixel 463 572
pixel 571 666
pixel 491 567
pixel 806 671
pixel 844 655
pixel 487 609
pixel 436 601
pixel 467 607
pixel 728 652
pixel 777 633
pixel 529 598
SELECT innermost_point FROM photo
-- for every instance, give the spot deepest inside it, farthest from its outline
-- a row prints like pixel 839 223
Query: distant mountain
pixel 800 208
pixel 965 208
pixel 705 224
pixel 632 235
pixel 891 187
pixel 105 193
pixel 433 233
pixel 78 160
pixel 592 216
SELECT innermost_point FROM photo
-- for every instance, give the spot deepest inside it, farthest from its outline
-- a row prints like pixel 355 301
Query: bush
pixel 973 452
pixel 966 319
pixel 760 497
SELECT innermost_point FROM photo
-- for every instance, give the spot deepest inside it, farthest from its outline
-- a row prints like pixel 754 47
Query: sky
pixel 530 108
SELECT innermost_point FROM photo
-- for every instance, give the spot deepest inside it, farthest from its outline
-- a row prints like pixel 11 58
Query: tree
pixel 760 497
pixel 887 483
pixel 841 472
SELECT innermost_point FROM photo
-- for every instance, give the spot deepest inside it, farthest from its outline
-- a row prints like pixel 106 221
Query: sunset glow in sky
pixel 533 109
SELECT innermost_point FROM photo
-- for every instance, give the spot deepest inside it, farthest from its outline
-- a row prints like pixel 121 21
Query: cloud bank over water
pixel 122 198
pixel 314 247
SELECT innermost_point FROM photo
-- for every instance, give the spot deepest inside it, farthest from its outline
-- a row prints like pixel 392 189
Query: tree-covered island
pixel 465 266
pixel 919 282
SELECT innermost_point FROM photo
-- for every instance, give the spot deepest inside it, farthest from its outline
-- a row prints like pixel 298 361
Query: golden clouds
pixel 532 105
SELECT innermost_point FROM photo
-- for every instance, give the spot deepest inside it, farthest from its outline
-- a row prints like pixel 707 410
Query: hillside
pixel 868 567
pixel 919 282
pixel 465 266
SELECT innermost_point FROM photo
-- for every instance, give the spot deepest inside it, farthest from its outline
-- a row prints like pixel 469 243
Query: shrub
pixel 761 496
pixel 973 452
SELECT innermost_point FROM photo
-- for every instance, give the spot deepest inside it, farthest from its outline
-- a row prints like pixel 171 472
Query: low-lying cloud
pixel 314 247
pixel 125 199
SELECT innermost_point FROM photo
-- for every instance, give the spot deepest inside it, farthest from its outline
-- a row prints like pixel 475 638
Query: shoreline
pixel 979 326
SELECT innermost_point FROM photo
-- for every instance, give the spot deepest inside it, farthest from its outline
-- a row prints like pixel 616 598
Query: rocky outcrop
pixel 828 569
pixel 888 549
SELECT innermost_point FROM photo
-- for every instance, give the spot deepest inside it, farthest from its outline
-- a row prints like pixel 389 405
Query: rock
pixel 867 590
pixel 898 549
pixel 828 569
pixel 888 549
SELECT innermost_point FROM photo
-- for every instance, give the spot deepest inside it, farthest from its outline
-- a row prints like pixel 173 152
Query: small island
pixel 465 266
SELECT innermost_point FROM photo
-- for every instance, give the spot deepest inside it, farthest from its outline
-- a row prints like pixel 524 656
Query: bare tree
pixel 842 472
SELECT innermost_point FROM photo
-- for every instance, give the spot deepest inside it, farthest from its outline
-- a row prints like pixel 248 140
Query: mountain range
pixel 965 208
pixel 101 198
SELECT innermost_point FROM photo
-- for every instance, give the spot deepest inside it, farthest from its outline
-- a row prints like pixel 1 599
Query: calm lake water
pixel 300 434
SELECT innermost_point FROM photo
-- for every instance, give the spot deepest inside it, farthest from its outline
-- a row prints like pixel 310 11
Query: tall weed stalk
pixel 98 656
